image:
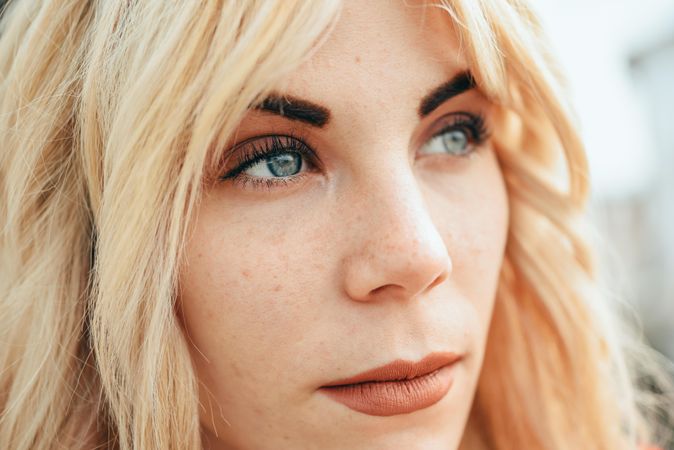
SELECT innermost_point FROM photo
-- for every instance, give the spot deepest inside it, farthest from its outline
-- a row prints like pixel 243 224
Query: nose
pixel 398 252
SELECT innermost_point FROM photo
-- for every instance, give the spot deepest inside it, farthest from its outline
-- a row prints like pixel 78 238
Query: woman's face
pixel 373 233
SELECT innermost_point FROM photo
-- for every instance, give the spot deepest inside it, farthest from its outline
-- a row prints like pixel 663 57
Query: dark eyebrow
pixel 460 83
pixel 295 109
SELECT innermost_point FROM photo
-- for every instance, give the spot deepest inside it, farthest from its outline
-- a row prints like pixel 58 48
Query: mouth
pixel 399 387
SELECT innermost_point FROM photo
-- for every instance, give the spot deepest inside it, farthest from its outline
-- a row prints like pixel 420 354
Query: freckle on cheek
pixel 246 273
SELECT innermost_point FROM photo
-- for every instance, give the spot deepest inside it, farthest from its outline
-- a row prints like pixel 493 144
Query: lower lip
pixel 389 398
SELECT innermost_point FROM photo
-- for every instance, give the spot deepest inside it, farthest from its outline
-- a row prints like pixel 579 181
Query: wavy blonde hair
pixel 110 115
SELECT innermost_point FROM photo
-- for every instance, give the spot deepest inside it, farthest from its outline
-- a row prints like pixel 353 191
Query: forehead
pixel 379 52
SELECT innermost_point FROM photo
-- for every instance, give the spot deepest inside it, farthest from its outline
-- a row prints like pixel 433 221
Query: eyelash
pixel 478 133
pixel 261 148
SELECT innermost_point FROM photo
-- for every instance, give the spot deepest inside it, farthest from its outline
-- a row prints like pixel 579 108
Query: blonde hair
pixel 111 114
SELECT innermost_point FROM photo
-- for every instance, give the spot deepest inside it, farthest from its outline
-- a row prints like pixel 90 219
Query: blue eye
pixel 458 138
pixel 268 161
pixel 280 165
pixel 453 142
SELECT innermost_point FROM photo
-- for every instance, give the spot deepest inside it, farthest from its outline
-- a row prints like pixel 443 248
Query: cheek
pixel 472 212
pixel 232 277
pixel 245 293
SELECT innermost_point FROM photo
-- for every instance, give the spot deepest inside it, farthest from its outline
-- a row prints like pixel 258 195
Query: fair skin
pixel 387 245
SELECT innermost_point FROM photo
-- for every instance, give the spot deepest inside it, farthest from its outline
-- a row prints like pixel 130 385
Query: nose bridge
pixel 398 252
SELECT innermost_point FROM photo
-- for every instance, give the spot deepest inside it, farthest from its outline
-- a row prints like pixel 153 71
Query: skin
pixel 383 252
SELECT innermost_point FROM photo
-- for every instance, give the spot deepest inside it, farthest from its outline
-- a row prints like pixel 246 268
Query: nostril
pixel 438 280
pixel 381 288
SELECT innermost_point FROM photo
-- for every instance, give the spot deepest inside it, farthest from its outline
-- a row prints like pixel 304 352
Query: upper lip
pixel 401 369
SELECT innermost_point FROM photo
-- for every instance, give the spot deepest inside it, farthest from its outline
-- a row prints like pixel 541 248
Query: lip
pixel 399 387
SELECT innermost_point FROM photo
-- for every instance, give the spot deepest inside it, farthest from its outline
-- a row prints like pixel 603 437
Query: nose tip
pixel 403 264
pixel 393 247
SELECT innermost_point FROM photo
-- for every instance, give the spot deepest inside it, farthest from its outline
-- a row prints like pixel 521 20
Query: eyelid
pixel 247 154
pixel 476 122
pixel 230 152
pixel 227 154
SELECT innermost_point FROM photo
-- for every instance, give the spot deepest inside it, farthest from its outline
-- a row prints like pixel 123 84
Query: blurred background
pixel 619 59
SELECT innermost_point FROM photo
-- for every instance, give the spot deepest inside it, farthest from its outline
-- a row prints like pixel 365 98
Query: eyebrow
pixel 297 109
pixel 293 108
pixel 460 83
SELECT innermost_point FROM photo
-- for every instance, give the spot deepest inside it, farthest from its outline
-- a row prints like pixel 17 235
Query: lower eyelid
pixel 267 184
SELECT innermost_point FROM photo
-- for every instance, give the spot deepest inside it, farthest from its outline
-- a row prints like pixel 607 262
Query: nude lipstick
pixel 399 387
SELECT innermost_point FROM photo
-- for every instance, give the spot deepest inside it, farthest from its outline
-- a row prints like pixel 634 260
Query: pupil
pixel 284 165
pixel 455 141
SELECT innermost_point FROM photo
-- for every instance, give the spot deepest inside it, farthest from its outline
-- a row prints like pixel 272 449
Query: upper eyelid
pixel 293 134
pixel 306 150
pixel 231 150
pixel 447 120
pixel 246 141
pixel 456 115
pixel 476 123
